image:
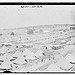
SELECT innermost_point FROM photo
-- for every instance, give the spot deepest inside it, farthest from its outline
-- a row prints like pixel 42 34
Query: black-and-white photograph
pixel 37 38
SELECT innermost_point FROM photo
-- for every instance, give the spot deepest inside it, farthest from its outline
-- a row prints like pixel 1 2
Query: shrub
pixel 12 33
pixel 30 31
pixel 1 34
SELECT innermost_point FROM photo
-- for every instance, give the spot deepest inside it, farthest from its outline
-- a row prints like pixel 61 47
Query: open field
pixel 36 48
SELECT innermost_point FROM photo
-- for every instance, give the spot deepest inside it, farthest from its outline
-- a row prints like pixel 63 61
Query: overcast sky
pixel 15 16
